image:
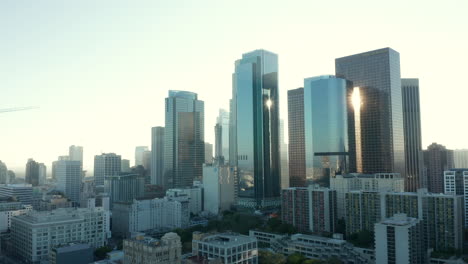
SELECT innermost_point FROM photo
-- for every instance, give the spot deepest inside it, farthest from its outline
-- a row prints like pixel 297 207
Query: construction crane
pixel 14 109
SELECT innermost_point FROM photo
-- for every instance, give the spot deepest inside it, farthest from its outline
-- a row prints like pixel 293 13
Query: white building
pixel 34 234
pixel 220 185
pixel 154 214
pixel 8 210
pixel 400 239
pixel 456 183
pixel 21 192
pixel 69 178
pixel 194 195
pixel 227 247
pixel 365 182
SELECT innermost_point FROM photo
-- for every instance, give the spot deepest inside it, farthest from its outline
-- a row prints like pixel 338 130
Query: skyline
pixel 132 86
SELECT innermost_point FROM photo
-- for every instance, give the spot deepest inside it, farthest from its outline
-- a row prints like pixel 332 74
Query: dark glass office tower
pixel 157 156
pixel 326 127
pixel 377 107
pixel 296 151
pixel 184 147
pixel 32 172
pixel 437 159
pixel 255 113
pixel 412 129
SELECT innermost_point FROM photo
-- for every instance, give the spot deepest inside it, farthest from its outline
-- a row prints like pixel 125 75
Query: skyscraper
pixel 326 127
pixel 32 172
pixel 296 146
pixel 208 153
pixel 222 135
pixel 460 158
pixel 412 129
pixel 139 154
pixel 456 183
pixel 76 153
pixel 69 177
pixel 283 158
pixel 3 173
pixel 157 156
pixel 105 165
pixel 254 109
pixel 377 108
pixel 437 159
pixel 42 173
pixel 183 139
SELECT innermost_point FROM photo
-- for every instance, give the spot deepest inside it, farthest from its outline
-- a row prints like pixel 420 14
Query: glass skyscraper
pixel 255 129
pixel 184 147
pixel 296 151
pixel 326 127
pixel 377 108
pixel 157 156
pixel 412 128
pixel 222 135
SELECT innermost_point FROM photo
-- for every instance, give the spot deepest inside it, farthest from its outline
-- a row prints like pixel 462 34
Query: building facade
pixel 139 150
pixel 20 192
pixel 8 209
pixel 296 134
pixel 167 250
pixel 255 117
pixel 377 110
pixel 69 178
pixel 72 253
pixel 460 158
pixel 183 139
pixel 456 183
pixel 157 155
pixel 437 159
pixel 220 188
pixel 32 172
pixel 222 135
pixel 124 187
pixel 105 165
pixel 194 195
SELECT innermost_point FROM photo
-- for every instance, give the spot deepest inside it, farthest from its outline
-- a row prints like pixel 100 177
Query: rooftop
pixel 71 247
pixel 228 239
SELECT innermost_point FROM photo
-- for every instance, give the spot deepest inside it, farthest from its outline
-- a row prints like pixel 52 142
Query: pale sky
pixel 100 70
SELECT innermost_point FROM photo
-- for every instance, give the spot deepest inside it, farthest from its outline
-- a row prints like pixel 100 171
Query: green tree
pixel 295 258
pixel 101 252
pixel 267 257
pixel 363 238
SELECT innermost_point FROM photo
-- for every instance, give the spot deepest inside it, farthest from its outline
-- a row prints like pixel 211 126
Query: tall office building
pixel 69 178
pixel 296 134
pixel 54 165
pixel 105 165
pixel 125 165
pixel 222 135
pixel 326 127
pixel 456 183
pixel 146 163
pixel 379 142
pixel 220 188
pixel 412 129
pixel 284 158
pixel 76 153
pixel 139 154
pixel 157 156
pixel 460 158
pixel 255 114
pixel 124 187
pixel 3 173
pixel 437 159
pixel 400 239
pixel 32 172
pixel 183 139
pixel 42 173
pixel 208 153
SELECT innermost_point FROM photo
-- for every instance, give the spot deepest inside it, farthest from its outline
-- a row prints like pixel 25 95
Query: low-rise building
pixel 228 247
pixel 21 192
pixel 71 254
pixel 8 209
pixel 167 250
pixel 194 196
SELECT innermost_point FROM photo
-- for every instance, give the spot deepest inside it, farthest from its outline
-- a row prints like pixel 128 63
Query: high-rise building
pixel 379 143
pixel 311 209
pixel 125 165
pixel 220 188
pixel 105 165
pixel 255 121
pixel 3 173
pixel 42 174
pixel 183 139
pixel 141 249
pixel 139 154
pixel 124 187
pixel 69 178
pixel 400 239
pixel 147 160
pixel 54 165
pixel 296 134
pixel 76 153
pixel 157 156
pixel 11 176
pixel 460 158
pixel 222 135
pixel 208 153
pixel 456 183
pixel 34 234
pixel 437 159
pixel 284 158
pixel 32 172
pixel 326 127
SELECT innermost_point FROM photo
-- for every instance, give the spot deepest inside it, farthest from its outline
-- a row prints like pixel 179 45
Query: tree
pixel 362 238
pixel 101 252
pixel 267 257
pixel 295 258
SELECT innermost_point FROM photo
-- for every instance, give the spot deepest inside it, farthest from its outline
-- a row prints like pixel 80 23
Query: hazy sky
pixel 100 70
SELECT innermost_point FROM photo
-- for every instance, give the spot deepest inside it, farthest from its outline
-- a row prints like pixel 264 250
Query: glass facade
pixel 381 141
pixel 157 156
pixel 412 128
pixel 326 126
pixel 184 145
pixel 296 151
pixel 255 128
